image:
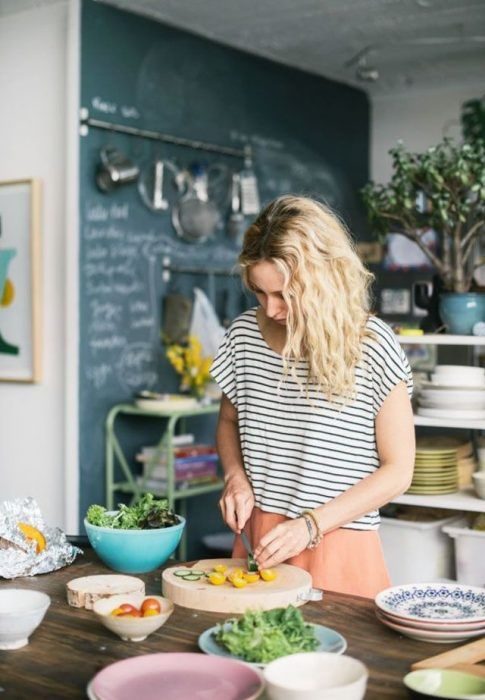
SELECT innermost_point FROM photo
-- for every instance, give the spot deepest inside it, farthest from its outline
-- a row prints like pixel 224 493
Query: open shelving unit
pixel 465 499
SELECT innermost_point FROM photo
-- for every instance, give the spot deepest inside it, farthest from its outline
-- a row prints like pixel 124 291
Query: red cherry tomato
pixel 150 604
pixel 127 608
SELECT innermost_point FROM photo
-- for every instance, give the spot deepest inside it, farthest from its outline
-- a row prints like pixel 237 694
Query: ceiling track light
pixel 366 72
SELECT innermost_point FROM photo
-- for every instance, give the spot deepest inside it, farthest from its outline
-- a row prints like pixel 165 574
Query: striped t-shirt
pixel 300 453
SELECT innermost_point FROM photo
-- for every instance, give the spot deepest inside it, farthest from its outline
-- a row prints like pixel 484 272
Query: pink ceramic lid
pixel 177 677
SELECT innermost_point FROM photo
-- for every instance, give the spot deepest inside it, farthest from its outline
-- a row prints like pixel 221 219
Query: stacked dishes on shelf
pixel 466 461
pixel 435 470
pixel 433 612
pixel 455 391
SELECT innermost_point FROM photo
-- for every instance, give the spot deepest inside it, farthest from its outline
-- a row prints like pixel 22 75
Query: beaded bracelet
pixel 309 528
pixel 319 534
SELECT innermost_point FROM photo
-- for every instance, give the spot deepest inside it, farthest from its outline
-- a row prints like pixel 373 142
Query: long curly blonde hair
pixel 326 288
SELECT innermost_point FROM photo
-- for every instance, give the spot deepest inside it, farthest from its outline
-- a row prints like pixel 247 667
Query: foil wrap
pixel 18 556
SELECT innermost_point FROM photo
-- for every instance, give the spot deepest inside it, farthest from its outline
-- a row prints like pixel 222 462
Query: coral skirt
pixel 346 561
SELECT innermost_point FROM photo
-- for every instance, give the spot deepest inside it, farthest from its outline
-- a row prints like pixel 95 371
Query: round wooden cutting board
pixel 290 587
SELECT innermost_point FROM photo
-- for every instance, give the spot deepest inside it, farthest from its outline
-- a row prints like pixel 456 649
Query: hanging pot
pixel 195 218
pixel 115 169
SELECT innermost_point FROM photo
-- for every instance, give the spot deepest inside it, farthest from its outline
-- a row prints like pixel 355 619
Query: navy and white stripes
pixel 300 453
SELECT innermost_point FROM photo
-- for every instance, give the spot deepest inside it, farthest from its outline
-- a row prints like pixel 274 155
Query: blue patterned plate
pixel 328 640
pixel 431 602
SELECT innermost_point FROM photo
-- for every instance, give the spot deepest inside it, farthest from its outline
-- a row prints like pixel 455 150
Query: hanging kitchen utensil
pixel 194 217
pixel 235 224
pixel 250 203
pixel 115 169
pixel 151 184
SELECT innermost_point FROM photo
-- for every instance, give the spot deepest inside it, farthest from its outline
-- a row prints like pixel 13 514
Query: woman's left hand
pixel 282 542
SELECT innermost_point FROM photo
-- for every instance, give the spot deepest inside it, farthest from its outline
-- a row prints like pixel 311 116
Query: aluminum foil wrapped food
pixel 27 545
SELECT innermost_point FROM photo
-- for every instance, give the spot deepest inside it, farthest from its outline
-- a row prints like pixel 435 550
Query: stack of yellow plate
pixel 435 470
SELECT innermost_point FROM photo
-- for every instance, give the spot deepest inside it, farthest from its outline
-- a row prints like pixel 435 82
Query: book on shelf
pixel 180 452
pixel 186 470
pixel 185 439
pixel 161 485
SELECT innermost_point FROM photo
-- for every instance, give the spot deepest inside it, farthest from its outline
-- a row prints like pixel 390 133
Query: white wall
pixel 33 90
pixel 420 120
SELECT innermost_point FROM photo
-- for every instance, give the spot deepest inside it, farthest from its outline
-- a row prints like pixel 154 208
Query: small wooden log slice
pixel 85 591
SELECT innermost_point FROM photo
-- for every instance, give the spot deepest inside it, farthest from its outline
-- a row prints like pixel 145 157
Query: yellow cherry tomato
pixel 220 568
pixel 267 574
pixel 217 578
pixel 238 582
pixel 235 572
pixel 251 576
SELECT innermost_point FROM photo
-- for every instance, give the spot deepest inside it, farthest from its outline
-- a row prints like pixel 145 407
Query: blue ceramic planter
pixel 460 312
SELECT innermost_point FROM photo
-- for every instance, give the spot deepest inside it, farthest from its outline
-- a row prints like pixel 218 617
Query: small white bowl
pixel 315 676
pixel 132 629
pixel 479 483
pixel 21 611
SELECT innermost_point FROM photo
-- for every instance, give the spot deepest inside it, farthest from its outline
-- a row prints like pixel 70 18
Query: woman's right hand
pixel 237 502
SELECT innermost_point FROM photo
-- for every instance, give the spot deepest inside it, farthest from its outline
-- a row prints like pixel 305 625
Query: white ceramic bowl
pixel 21 611
pixel 479 483
pixel 315 676
pixel 132 629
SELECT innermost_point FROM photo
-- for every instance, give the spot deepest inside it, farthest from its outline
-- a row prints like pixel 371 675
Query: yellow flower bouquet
pixel 188 361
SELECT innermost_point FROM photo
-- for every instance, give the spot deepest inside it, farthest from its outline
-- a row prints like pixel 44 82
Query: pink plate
pixel 177 677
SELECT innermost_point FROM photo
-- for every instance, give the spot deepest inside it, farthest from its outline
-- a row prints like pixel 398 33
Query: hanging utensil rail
pixel 205 271
pixel 86 121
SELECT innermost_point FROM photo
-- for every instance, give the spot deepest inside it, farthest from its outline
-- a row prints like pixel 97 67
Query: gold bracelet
pixel 319 534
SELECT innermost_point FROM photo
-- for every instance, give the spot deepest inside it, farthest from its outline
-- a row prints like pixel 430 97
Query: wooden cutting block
pixel 85 591
pixel 467 654
pixel 290 587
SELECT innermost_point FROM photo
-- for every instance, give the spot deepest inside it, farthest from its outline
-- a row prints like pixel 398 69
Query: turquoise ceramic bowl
pixel 134 551
pixel 444 683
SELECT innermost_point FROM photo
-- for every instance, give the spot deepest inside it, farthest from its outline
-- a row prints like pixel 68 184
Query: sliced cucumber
pixel 252 565
pixel 181 572
pixel 191 577
pixel 196 572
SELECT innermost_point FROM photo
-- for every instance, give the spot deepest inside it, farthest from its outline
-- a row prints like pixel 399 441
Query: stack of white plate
pixel 435 470
pixel 433 612
pixel 455 391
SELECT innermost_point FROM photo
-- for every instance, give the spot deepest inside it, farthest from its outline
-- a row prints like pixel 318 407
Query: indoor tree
pixel 443 189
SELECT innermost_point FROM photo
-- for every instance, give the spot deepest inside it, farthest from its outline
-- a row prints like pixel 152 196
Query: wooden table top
pixel 71 646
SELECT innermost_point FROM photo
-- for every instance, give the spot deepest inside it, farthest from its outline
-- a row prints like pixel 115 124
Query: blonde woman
pixel 315 430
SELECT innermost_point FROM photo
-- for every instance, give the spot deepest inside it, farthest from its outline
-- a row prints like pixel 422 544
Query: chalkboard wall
pixel 308 135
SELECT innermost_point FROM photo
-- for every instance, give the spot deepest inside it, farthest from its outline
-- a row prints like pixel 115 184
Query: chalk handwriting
pixel 118 211
pixel 110 343
pixel 137 366
pixel 96 212
pixel 130 112
pixel 98 374
pixel 104 106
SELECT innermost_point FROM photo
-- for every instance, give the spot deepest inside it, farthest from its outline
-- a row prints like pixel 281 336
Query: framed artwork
pixel 20 292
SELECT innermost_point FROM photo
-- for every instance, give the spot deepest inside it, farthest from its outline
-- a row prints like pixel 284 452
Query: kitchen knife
pixel 251 563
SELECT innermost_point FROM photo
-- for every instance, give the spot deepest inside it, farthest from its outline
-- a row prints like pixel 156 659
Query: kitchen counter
pixel 71 646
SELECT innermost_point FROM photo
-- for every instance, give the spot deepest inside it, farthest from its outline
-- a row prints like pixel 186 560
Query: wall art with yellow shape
pixel 20 292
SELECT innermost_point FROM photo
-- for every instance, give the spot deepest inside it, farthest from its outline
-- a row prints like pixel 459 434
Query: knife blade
pixel 251 562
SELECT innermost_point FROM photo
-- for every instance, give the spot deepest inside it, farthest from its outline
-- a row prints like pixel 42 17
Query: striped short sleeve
pixel 223 368
pixel 388 361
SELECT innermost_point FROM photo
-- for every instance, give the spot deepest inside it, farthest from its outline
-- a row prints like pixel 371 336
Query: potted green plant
pixel 443 189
